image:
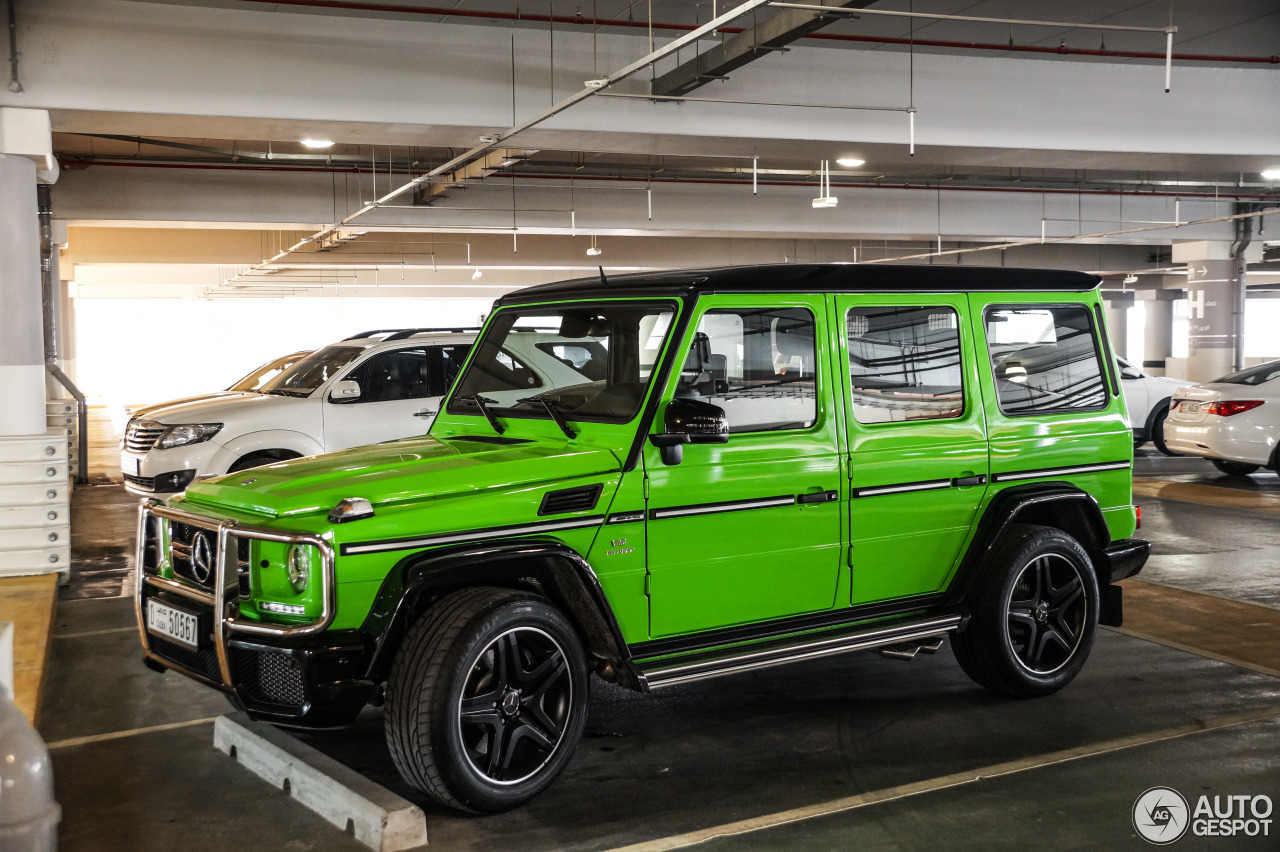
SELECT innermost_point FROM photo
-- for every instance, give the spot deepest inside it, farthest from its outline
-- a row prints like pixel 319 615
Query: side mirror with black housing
pixel 690 421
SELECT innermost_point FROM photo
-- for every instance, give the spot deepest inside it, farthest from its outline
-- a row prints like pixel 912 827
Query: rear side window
pixel 1045 359
pixel 904 363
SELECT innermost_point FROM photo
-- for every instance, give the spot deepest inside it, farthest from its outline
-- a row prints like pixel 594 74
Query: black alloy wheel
pixel 515 705
pixel 1047 614
pixel 487 699
pixel 1034 614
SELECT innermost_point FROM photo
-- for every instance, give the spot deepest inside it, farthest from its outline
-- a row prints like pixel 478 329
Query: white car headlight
pixel 187 433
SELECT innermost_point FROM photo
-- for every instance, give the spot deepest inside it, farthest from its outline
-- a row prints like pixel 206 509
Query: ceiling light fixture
pixel 850 162
pixel 825 199
pixel 594 251
pixel 317 143
pixel 477 274
pixel 1131 279
pixel 1272 173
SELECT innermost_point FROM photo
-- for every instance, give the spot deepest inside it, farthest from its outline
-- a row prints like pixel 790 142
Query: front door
pixel 918 459
pixel 400 393
pixel 750 529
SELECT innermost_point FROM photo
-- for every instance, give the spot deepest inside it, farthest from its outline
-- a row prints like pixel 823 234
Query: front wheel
pixel 1157 432
pixel 1034 615
pixel 1234 468
pixel 486 699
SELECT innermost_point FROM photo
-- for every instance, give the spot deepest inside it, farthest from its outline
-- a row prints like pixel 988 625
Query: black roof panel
pixel 812 278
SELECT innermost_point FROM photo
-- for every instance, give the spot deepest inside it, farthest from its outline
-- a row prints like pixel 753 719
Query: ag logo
pixel 1161 815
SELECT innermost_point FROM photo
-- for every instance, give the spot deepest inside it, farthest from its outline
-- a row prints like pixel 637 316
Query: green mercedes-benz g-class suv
pixel 666 477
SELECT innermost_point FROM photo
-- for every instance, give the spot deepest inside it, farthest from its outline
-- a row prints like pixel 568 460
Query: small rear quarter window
pixel 1045 359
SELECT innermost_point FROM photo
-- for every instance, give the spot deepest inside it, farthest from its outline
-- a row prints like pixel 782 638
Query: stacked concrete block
pixel 35 513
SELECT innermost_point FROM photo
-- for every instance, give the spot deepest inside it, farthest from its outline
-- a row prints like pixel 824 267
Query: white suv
pixel 376 386
pixel 1147 399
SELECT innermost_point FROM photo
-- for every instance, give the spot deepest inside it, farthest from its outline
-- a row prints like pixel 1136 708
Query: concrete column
pixel 1211 336
pixel 1117 305
pixel 1158 330
pixel 21 325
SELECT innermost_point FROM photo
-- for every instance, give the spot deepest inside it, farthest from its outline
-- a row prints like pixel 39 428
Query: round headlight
pixel 298 564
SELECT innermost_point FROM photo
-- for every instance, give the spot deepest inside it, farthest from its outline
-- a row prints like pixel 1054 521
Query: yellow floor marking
pixel 848 803
pixel 29 602
pixel 1209 495
pixel 119 735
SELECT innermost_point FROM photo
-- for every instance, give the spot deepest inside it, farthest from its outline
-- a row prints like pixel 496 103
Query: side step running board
pixel 810 646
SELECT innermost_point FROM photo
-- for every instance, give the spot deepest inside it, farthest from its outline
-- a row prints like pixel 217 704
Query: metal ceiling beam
pixel 756 40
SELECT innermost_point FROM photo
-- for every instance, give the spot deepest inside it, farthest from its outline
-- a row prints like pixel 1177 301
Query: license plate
pixel 173 624
pixel 131 465
pixel 1187 406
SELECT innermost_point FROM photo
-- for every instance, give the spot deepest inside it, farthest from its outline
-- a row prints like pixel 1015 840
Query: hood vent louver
pixel 581 499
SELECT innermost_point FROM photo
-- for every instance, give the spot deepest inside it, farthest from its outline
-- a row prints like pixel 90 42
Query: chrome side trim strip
pixel 1060 471
pixel 467 535
pixel 860 641
pixel 731 506
pixel 877 490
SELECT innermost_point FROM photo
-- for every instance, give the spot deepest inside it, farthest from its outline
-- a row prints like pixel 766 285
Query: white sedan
pixel 1233 421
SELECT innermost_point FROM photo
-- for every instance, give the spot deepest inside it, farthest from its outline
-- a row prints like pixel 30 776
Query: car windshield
pixel 259 377
pixel 312 371
pixel 1253 376
pixel 588 362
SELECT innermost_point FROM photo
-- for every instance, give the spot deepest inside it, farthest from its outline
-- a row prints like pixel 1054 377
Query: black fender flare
pixel 1060 504
pixel 545 565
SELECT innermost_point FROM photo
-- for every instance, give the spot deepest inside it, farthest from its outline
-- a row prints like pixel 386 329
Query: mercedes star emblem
pixel 201 557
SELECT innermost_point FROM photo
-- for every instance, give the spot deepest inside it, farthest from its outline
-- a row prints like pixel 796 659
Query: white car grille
pixel 141 435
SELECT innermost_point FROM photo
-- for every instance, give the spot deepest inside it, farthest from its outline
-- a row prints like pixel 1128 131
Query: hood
pixel 211 409
pixel 148 410
pixel 412 469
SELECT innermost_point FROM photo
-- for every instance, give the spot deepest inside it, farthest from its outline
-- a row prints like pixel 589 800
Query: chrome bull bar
pixel 225 595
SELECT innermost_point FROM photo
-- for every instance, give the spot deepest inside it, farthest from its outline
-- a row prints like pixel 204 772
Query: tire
pixel 1157 432
pixel 1034 615
pixel 1234 468
pixel 485 665
pixel 257 460
pixel 1138 442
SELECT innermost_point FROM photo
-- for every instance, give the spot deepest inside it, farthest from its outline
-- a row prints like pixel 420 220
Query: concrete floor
pixel 854 752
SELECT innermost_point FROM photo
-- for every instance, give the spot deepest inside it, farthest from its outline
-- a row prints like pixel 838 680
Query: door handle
pixel 966 481
pixel 425 413
pixel 820 497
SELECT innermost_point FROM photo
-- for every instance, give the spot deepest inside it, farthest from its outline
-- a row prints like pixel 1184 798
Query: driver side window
pixel 757 364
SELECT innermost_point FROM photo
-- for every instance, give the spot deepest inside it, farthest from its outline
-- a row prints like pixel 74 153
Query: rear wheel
pixel 486 699
pixel 1034 616
pixel 1234 468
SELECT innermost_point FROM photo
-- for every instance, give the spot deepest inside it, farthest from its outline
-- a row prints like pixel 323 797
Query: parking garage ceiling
pixel 1020 130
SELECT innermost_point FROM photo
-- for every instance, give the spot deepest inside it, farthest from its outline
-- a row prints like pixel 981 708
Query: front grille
pixel 201 662
pixel 269 677
pixel 141 435
pixel 151 545
pixel 146 482
pixel 183 553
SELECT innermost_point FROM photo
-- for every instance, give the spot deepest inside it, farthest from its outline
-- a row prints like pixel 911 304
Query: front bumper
pixel 290 674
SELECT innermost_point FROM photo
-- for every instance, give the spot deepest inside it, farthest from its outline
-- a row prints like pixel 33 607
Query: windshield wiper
pixel 550 406
pixel 480 402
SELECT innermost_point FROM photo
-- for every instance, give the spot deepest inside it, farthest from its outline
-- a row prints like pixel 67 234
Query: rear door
pixel 917 461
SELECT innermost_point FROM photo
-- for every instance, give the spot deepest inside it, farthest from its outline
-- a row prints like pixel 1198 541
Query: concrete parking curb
pixel 377 817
